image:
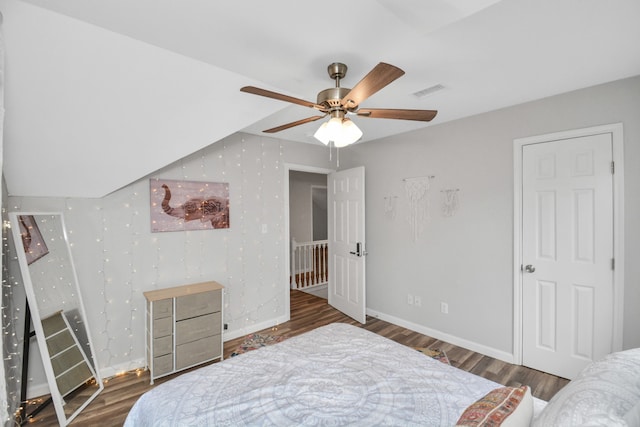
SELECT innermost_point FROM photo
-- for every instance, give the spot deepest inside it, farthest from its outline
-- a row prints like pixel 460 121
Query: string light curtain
pixel 10 370
pixel 12 326
pixel 117 258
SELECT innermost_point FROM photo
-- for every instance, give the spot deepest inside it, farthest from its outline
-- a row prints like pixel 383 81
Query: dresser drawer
pixel 198 351
pixel 193 305
pixel 198 327
pixel 162 327
pixel 162 364
pixel 162 346
pixel 162 308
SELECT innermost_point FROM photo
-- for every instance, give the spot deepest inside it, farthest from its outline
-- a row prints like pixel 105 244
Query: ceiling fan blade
pixel 386 113
pixel 381 75
pixel 275 95
pixel 292 124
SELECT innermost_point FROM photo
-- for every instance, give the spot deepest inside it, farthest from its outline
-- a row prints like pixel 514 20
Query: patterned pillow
pixel 504 406
pixel 602 394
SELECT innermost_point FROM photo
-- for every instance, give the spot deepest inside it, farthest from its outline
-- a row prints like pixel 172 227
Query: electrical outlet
pixel 226 326
pixel 409 299
pixel 444 308
pixel 417 301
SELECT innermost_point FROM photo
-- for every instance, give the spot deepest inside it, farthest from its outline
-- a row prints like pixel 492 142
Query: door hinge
pixel 613 263
pixel 613 167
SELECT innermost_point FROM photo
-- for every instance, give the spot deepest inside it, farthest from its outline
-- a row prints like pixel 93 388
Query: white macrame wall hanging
pixel 390 207
pixel 416 190
pixel 449 201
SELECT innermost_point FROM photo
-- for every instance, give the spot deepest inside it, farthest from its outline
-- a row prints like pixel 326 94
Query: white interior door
pixel 567 253
pixel 346 242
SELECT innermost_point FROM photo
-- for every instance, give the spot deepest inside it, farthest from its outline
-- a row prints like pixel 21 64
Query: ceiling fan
pixel 338 101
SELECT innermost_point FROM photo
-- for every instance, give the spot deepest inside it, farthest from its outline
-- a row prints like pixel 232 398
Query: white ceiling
pixel 101 93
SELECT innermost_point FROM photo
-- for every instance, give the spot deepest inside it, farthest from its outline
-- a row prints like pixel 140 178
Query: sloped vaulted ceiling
pixel 89 111
pixel 101 93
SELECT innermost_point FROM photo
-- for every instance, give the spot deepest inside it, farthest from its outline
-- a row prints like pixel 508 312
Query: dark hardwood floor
pixel 308 312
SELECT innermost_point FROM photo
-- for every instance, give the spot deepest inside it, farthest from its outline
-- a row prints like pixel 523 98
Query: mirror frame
pixel 56 397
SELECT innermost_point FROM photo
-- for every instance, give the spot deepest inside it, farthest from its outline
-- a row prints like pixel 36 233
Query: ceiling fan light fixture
pixel 327 131
pixel 350 133
pixel 341 131
pixel 321 134
pixel 339 101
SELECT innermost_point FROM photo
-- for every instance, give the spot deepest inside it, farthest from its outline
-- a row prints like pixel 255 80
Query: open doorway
pixel 308 232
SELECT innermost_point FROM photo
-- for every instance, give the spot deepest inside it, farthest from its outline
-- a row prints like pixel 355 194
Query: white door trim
pixel 287 234
pixel 616 132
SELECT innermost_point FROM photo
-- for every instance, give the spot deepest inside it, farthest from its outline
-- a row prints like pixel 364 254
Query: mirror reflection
pixel 57 311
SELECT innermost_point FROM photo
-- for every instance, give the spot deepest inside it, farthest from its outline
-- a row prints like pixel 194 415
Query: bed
pixel 337 374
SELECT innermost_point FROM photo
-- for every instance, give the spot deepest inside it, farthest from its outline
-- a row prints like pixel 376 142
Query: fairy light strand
pixel 11 317
pixel 131 279
pixel 106 354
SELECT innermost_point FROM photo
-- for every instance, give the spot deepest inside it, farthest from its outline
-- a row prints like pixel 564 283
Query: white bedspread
pixel 335 375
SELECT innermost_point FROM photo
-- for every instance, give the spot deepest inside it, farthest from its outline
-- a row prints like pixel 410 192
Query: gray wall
pixel 466 260
pixel 300 206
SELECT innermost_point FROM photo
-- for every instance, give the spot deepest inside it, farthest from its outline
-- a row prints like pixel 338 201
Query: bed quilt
pixel 335 375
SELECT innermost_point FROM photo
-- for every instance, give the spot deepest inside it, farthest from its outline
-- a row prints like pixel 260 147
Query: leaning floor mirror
pixel 57 311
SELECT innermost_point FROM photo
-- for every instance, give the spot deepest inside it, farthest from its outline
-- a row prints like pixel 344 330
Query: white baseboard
pixel 141 362
pixel 42 389
pixel 460 342
pixel 317 290
pixel 132 365
pixel 230 335
pixel 37 390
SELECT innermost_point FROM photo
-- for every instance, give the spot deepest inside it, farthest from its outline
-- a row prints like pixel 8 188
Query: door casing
pixel 288 167
pixel 616 131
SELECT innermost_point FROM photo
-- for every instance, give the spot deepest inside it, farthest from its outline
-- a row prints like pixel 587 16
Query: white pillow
pixel 602 394
pixel 632 418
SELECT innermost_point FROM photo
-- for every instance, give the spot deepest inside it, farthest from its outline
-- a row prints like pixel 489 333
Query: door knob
pixel 359 251
pixel 529 268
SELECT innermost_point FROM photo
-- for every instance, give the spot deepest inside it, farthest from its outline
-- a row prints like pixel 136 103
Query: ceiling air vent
pixel 428 91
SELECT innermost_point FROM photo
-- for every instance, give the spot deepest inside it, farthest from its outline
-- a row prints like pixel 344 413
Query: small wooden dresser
pixel 184 327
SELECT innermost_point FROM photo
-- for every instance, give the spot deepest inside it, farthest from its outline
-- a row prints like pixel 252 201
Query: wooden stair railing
pixel 309 264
